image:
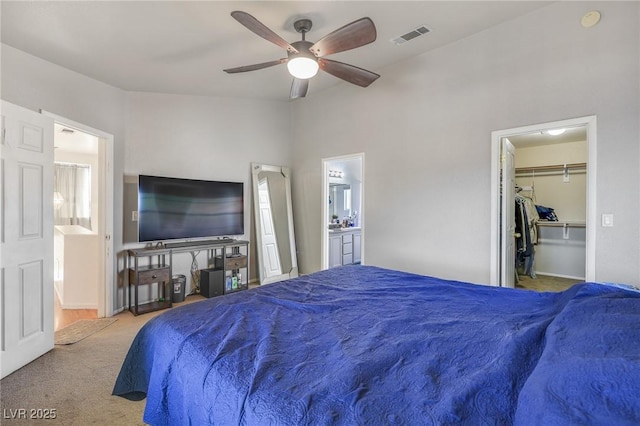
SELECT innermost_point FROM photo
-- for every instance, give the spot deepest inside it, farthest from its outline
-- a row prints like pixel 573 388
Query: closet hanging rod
pixel 562 224
pixel 554 167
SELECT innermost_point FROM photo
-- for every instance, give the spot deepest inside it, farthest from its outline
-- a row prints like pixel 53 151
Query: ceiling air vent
pixel 422 30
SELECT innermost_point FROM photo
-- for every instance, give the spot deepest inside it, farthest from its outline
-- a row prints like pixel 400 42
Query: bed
pixel 361 345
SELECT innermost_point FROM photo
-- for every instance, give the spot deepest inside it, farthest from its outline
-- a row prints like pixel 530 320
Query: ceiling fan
pixel 305 58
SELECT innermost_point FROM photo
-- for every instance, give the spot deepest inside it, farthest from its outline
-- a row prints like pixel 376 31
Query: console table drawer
pixel 153 276
pixel 232 262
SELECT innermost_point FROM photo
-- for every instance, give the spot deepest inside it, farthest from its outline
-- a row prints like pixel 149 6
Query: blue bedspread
pixel 365 345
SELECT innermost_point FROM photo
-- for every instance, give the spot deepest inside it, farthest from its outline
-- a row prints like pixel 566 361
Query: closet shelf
pixel 551 168
pixel 562 224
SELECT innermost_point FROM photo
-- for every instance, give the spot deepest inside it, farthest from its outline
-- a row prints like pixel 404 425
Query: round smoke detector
pixel 590 19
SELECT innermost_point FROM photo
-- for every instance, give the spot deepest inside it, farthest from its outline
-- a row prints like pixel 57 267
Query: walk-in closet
pixel 551 205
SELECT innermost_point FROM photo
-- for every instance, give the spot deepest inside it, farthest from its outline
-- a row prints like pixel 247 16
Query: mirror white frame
pixel 273 218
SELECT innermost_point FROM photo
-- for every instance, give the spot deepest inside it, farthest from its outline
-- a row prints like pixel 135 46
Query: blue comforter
pixel 365 345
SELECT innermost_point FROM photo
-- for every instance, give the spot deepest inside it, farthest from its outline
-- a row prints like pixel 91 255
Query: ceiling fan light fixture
pixel 302 67
pixel 305 58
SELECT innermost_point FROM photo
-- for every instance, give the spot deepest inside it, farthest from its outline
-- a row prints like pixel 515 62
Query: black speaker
pixel 212 282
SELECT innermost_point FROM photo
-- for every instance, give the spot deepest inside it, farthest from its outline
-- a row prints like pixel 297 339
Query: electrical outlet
pixel 607 220
pixel 134 216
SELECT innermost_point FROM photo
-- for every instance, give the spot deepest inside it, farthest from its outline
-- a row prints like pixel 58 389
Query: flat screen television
pixel 173 208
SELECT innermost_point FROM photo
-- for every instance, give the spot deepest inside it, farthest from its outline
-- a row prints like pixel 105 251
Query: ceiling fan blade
pixel 260 29
pixel 256 66
pixel 356 34
pixel 350 73
pixel 299 88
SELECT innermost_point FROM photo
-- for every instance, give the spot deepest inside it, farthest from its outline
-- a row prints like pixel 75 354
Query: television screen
pixel 173 208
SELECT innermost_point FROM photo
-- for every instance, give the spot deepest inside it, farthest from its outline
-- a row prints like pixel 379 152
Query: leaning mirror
pixel 273 216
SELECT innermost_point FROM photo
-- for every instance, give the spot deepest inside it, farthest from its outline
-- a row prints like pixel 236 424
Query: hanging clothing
pixel 523 242
pixel 525 256
pixel 532 216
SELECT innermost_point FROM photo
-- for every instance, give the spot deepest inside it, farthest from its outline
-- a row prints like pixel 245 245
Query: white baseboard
pixel 78 306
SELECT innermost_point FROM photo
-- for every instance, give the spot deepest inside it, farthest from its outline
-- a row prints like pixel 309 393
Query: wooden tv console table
pixel 234 255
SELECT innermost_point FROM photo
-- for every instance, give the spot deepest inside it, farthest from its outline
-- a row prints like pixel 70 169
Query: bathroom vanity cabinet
pixel 344 246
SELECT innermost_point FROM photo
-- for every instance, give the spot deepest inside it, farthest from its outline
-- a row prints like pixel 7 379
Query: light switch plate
pixel 134 216
pixel 607 220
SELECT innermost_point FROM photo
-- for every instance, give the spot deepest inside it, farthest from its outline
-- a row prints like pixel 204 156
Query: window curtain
pixel 73 184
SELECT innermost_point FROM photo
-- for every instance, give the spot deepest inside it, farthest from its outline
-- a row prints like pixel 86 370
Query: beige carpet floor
pixel 77 380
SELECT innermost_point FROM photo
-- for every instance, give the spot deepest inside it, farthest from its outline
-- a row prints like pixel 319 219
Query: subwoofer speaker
pixel 212 282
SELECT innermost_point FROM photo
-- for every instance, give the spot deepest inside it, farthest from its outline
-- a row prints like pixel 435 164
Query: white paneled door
pixel 26 236
pixel 508 214
pixel 271 255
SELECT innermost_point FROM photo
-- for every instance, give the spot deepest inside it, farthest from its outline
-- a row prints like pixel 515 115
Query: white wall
pixel 425 127
pixel 36 84
pixel 568 199
pixel 199 137
pixel 184 136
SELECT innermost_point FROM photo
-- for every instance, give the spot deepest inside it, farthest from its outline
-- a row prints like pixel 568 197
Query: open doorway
pixel 543 205
pixel 76 217
pixel 342 210
pixel 83 223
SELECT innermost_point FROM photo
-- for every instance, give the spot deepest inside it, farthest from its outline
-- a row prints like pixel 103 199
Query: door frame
pixel 324 228
pixel 105 225
pixel 496 160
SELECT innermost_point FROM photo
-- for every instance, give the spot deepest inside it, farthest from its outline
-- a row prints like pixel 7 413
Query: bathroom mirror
pixel 273 217
pixel 339 200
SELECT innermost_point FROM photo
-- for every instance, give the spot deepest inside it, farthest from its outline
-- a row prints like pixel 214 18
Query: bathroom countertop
pixel 339 230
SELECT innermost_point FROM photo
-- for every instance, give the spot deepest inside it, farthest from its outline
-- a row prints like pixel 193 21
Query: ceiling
pixel 182 47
